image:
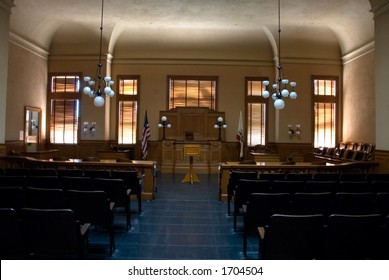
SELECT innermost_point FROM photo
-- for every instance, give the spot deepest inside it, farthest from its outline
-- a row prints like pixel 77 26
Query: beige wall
pixel 27 84
pixel 359 100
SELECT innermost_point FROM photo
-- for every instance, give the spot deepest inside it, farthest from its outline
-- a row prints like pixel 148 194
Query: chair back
pixel 43 198
pixel 312 203
pixel 294 237
pixel 354 237
pixel 11 242
pixel 77 183
pixel 51 232
pixel 11 197
pixel 48 182
pixel 354 203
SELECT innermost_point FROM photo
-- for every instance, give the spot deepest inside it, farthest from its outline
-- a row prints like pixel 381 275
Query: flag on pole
pixel 145 136
pixel 239 135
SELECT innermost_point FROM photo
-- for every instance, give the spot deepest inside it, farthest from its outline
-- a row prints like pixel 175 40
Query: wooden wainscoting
pixel 382 158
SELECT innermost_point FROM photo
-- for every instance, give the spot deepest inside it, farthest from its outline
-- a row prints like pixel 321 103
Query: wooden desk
pixel 147 168
pixel 46 154
pixel 299 167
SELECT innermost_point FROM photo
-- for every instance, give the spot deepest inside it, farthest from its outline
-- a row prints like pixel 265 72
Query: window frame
pixel 196 78
pixel 121 97
pixel 326 99
pixel 256 100
pixel 63 96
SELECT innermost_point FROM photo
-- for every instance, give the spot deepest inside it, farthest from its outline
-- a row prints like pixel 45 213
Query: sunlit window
pixel 192 92
pixel 128 109
pixel 325 110
pixel 256 112
pixel 64 108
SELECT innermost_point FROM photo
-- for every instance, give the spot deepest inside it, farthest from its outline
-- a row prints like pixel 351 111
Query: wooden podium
pixel 190 151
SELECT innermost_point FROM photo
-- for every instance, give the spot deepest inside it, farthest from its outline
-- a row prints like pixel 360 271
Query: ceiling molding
pixel 27 45
pixel 7 5
pixel 368 48
pixel 378 7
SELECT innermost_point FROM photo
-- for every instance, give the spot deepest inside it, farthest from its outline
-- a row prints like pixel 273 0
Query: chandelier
pixel 280 86
pixel 99 87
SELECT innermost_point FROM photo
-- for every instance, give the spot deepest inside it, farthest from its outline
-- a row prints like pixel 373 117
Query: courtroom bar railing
pixel 147 168
pixel 284 167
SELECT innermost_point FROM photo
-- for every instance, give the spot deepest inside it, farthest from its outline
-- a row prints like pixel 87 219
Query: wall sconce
pixel 220 124
pixel 34 124
pixel 294 130
pixel 89 127
pixel 164 124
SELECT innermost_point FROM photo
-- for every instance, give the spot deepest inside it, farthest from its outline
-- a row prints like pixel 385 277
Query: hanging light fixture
pixel 280 87
pixel 99 87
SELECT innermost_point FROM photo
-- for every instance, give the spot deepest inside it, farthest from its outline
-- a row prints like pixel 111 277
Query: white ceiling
pixel 42 21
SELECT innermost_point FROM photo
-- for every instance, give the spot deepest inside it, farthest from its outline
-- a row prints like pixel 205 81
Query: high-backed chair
pixel 48 182
pixel 320 186
pixel 354 237
pixel 95 208
pixel 133 181
pixel 354 203
pixel 260 208
pixel 70 172
pixel 77 183
pixel 43 198
pixel 326 176
pixel 17 172
pixel 382 202
pixel 43 172
pixel 299 177
pixel 13 181
pixel 235 176
pixel 293 237
pixel 243 190
pixel 118 193
pixel 312 203
pixel 287 186
pixel 272 176
pixel 53 233
pixel 11 197
pixel 11 242
pixel 357 186
pixel 96 173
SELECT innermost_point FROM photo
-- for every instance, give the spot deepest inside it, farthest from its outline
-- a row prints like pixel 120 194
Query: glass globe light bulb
pixel 265 94
pixel 107 90
pixel 279 104
pixel 98 101
pixel 285 92
pixel 293 95
pixel 87 90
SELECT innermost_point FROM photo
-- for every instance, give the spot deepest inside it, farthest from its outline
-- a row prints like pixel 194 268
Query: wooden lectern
pixel 190 151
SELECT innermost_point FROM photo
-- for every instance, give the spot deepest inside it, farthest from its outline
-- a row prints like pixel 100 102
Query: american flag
pixel 239 135
pixel 145 136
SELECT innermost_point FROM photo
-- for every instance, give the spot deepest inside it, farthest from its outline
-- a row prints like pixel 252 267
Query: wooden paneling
pixel 197 120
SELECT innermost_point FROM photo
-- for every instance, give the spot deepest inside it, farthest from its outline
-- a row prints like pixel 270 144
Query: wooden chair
pixel 43 172
pixel 53 233
pixel 235 176
pixel 43 198
pixel 243 190
pixel 11 242
pixel 118 193
pixel 133 181
pixel 354 203
pixel 354 237
pixel 95 208
pixel 11 197
pixel 293 237
pixel 260 208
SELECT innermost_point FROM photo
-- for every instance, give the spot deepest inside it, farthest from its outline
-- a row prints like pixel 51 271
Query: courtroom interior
pixel 174 116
